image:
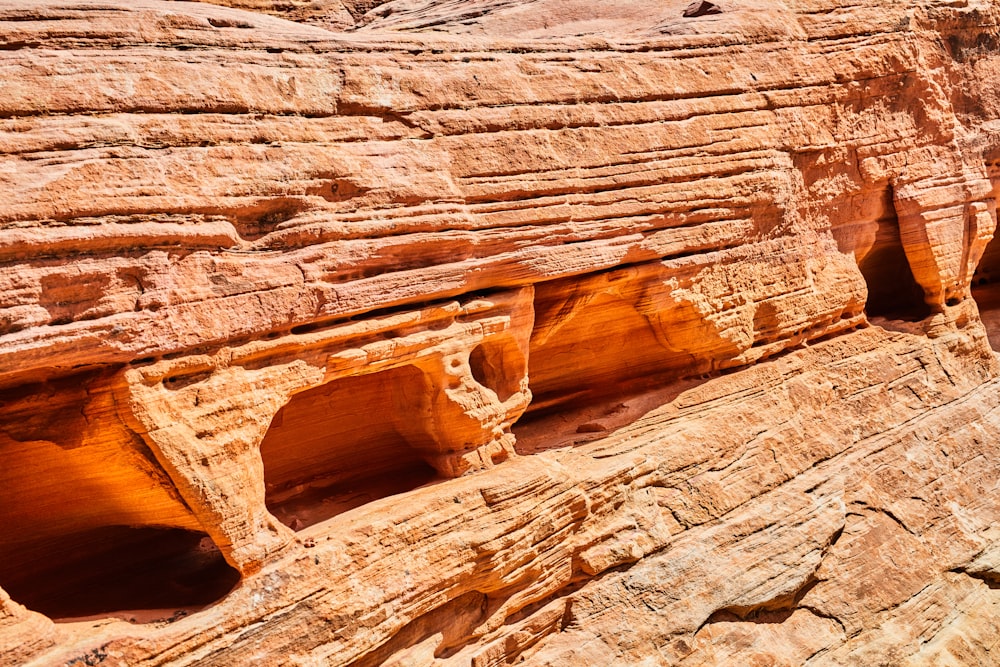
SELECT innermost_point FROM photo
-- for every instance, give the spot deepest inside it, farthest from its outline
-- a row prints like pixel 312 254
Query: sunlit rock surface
pixel 558 332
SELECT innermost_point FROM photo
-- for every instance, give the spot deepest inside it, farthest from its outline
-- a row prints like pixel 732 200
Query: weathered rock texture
pixel 464 333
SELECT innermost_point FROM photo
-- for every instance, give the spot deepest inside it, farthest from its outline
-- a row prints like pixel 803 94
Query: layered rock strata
pixel 561 332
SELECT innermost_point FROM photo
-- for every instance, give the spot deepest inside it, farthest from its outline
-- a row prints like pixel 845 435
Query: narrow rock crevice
pixel 775 610
pixel 446 628
pixel 990 577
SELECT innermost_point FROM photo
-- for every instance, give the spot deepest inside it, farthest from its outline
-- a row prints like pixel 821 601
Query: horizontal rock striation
pixel 460 334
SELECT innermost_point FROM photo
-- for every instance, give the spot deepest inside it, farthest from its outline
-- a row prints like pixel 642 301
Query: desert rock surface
pixel 465 334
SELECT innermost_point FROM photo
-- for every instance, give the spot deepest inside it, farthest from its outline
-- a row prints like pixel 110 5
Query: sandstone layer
pixel 554 332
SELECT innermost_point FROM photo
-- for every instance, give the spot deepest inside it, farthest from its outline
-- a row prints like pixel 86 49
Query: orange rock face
pixel 444 334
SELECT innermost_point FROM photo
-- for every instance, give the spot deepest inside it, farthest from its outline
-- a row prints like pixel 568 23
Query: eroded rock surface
pixel 454 334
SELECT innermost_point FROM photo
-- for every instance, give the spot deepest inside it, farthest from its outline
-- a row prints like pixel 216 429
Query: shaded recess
pixel 497 366
pixel 893 292
pixel 139 574
pixel 986 291
pixel 596 362
pixel 90 524
pixel 602 349
pixel 339 446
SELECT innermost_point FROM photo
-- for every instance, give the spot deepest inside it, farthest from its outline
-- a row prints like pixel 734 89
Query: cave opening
pixel 492 365
pixel 601 351
pixel 893 292
pixel 92 525
pixel 986 291
pixel 340 446
pixel 139 574
pixel 594 366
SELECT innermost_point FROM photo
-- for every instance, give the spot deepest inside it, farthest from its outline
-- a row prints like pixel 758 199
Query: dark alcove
pixel 337 447
pixel 138 574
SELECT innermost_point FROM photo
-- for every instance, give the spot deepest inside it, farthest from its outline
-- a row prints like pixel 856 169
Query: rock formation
pixel 442 334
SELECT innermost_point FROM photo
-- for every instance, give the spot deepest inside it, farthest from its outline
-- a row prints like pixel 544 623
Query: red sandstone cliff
pixel 465 333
